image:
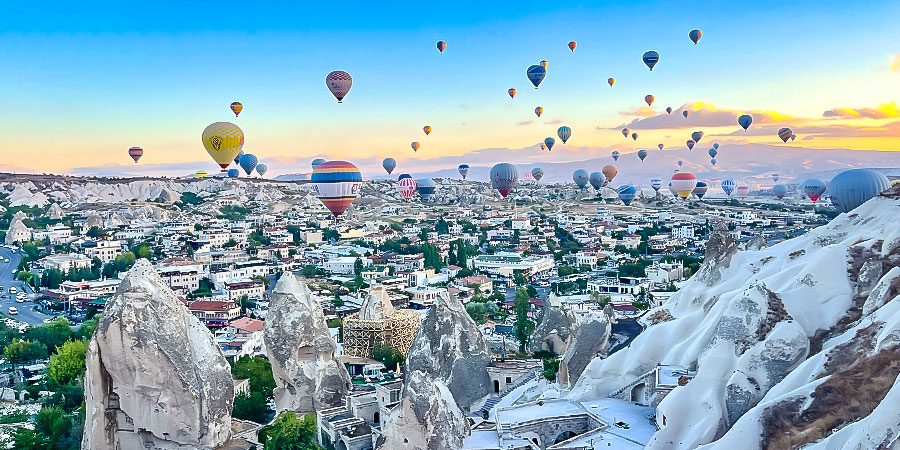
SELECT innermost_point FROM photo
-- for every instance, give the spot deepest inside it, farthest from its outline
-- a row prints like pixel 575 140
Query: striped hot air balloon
pixel 406 186
pixel 650 59
pixel 742 191
pixel 728 186
pixel 627 193
pixel 656 183
pixel 700 189
pixel 200 174
pixel 785 134
pixel 426 187
pixel 463 170
pixel 684 183
pixel 135 153
pixel 564 133
pixel 336 184
pixel 236 108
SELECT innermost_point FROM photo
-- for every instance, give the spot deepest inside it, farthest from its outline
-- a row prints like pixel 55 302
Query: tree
pixel 258 371
pixel 432 256
pixel 476 311
pixel 532 291
pixel 143 252
pixel 52 278
pixel 20 351
pixel 309 271
pixel 522 308
pixel 387 355
pixel 25 439
pixel 358 266
pixel 330 234
pixel 68 363
pixel 288 432
pixel 55 425
pixel 51 334
pixel 252 406
pixel 94 232
pixel 244 302
pixel 86 330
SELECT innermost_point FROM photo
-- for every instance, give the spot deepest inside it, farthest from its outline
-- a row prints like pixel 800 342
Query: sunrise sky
pixel 81 84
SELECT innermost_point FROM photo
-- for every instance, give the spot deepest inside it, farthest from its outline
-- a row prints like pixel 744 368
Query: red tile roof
pixel 247 324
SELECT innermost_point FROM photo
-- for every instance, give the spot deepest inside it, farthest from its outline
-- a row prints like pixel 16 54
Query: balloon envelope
pixel 564 133
pixel 336 184
pixel 261 169
pixel 684 183
pixel 441 46
pixel 463 170
pixel 200 174
pixel 780 190
pixel 597 180
pixel 236 108
pixel 745 121
pixel 316 162
pixel 389 164
pixel 668 110
pixel 248 163
pixel 135 153
pixel 537 173
pixel 700 189
pixel 696 136
pixel 415 146
pixel 504 177
pixel 427 129
pixel 536 74
pixel 642 154
pixel 854 187
pixel 511 92
pixel 237 158
pixel 580 177
pixel 223 141
pixel 233 173
pixel 627 193
pixel 656 183
pixel 650 58
pixel 742 191
pixel 406 186
pixel 785 134
pixel 713 152
pixel 572 45
pixel 426 187
pixel 609 171
pixel 713 161
pixel 728 186
pixel 649 99
pixel 549 143
pixel 339 83
pixel 544 63
pixel 625 132
pixel 813 188
pixel 634 136
pixel 615 155
pixel 538 111
pixel 695 36
pixel 611 81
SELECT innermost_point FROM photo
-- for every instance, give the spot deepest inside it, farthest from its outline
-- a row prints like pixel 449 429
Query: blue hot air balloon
pixel 700 189
pixel 316 162
pixel 779 190
pixel 713 152
pixel 713 161
pixel 261 169
pixel 425 187
pixel 549 143
pixel 237 158
pixel 233 173
pixel 463 170
pixel 404 175
pixel 580 177
pixel 745 121
pixel 536 74
pixel 627 193
pixel 695 136
pixel 537 173
pixel 716 145
pixel 597 180
pixel 854 187
pixel 642 154
pixel 389 164
pixel 651 58
pixel 564 133
pixel 248 163
pixel 695 36
pixel 728 186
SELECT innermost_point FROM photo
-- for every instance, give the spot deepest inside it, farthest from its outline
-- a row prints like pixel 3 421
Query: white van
pixel 13 310
pixel 12 289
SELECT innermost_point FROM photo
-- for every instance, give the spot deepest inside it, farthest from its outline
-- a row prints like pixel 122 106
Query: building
pixel 480 282
pixel 423 297
pixel 181 279
pixel 83 292
pixel 378 322
pixel 509 265
pixel 105 251
pixel 63 262
pixel 254 289
pixel 241 337
pixel 215 313
pixel 342 265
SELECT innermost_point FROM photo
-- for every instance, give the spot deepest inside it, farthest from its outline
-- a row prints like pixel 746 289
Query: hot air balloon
pixel 690 144
pixel 685 113
pixel 813 188
pixel 695 36
pixel 248 163
pixel 713 152
pixel 427 129
pixel 261 169
pixel 716 145
pixel 785 134
pixel 425 187
pixel 627 193
pixel 775 177
pixel 406 186
pixel 700 189
pixel 415 146
pixel 504 177
pixel 642 154
pixel 745 121
pixel 680 163
pixel 611 81
pixel 536 74
pixel 463 170
pixel 336 184
pixel 656 183
pixel 441 46
pixel 672 190
pixel 793 136
pixel 233 173
pixel 668 110
pixel 696 136
pixel 389 164
pixel 135 153
pixel 572 45
pixel 650 59
pixel 236 108
pixel 854 187
pixel 549 143
pixel 223 141
pixel 634 136
pixel 564 133
pixel 728 186
pixel 712 161
pixel 615 155
pixel 544 63
pixel 649 99
pixel 403 175
pixel 581 179
pixel 538 111
pixel 511 92
pixel 543 147
pixel 317 162
pixel 742 191
pixel 237 158
pixel 609 171
pixel 684 183
pixel 200 174
pixel 660 146
pixel 625 132
pixel 537 173
pixel 780 190
pixel 339 83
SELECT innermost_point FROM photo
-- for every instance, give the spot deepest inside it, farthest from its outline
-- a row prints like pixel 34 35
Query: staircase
pixel 494 399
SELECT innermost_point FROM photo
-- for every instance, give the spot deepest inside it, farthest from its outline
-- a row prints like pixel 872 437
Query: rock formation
pixel 94 220
pixel 55 212
pixel 155 376
pixel 588 342
pixel 308 376
pixel 446 373
pixel 555 328
pixel 17 232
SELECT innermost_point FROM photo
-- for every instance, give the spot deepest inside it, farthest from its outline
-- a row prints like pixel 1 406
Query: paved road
pixel 27 313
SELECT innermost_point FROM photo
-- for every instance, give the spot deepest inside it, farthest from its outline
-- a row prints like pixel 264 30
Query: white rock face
pixel 776 335
pixel 17 232
pixel 55 212
pixel 308 376
pixel 588 341
pixel 555 328
pixel 155 376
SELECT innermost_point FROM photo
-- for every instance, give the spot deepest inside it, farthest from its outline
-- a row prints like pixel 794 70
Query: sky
pixel 81 83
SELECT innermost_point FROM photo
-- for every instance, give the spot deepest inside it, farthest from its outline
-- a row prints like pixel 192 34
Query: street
pixel 26 313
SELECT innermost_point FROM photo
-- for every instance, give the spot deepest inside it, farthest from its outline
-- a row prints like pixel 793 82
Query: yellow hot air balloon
pixel 545 64
pixel 611 81
pixel 427 130
pixel 236 108
pixel 649 99
pixel 223 141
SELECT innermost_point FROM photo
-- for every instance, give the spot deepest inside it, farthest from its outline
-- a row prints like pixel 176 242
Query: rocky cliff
pixel 155 376
pixel 308 376
pixel 554 329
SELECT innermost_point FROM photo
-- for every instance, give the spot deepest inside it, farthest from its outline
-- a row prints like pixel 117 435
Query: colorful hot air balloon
pixel 611 81
pixel 634 136
pixel 317 162
pixel 696 136
pixel 695 36
pixel 504 177
pixel 656 183
pixel 415 146
pixel 625 132
pixel 336 184
pixel 511 92
pixel 609 171
pixel 200 174
pixel 668 110
pixel 684 183
pixel 339 83
pixel 780 190
pixel 237 158
pixel 543 147
pixel 537 173
pixel 572 45
pixel 712 161
pixel 406 187
pixel 852 188
pixel 642 154
pixel 261 169
pixel 389 164
pixel 660 146
pixel 425 187
pixel 441 46
pixel 813 188
pixel 685 113
pixel 536 74
pixel 728 186
pixel 538 111
pixel 713 152
pixel 745 121
pixel 564 133
pixel 580 177
pixel 785 134
pixel 248 163
pixel 627 193
pixel 650 59
pixel 775 177
pixel 649 99
pixel 549 143
pixel 672 190
pixel 236 108
pixel 690 144
pixel 615 155
pixel 700 189
pixel 223 141
pixel 427 129
pixel 544 63
pixel 233 173
pixel 463 170
pixel 135 153
pixel 742 191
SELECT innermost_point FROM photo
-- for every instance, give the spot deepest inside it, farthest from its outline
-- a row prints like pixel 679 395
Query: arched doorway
pixel 563 436
pixel 638 392
pixel 497 386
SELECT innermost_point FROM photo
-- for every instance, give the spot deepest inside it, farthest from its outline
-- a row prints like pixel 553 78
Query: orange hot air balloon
pixel 415 146
pixel 441 46
pixel 649 99
pixel 538 111
pixel 427 129
pixel 610 171
pixel 544 63
pixel 511 92
pixel 572 45
pixel 611 81
pixel 236 108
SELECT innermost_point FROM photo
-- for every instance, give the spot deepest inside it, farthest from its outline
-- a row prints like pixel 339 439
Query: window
pixel 508 380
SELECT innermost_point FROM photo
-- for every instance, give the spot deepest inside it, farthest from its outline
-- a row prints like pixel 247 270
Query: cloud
pixel 643 111
pixel 704 114
pixel 895 63
pixel 835 130
pixel 555 122
pixel 883 111
pixel 526 122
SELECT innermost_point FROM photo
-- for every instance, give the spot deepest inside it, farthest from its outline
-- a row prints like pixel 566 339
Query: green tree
pixel 94 232
pixel 86 330
pixel 288 432
pixel 532 291
pixel 330 234
pixel 309 271
pixel 20 351
pixel 358 266
pixel 258 371
pixel 476 311
pixel 252 406
pixel 432 256
pixel 25 439
pixel 522 307
pixel 52 278
pixel 55 426
pixel 51 334
pixel 143 252
pixel 68 363
pixel 387 355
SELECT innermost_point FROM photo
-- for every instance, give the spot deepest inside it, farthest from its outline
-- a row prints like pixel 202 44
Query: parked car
pixel 13 310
